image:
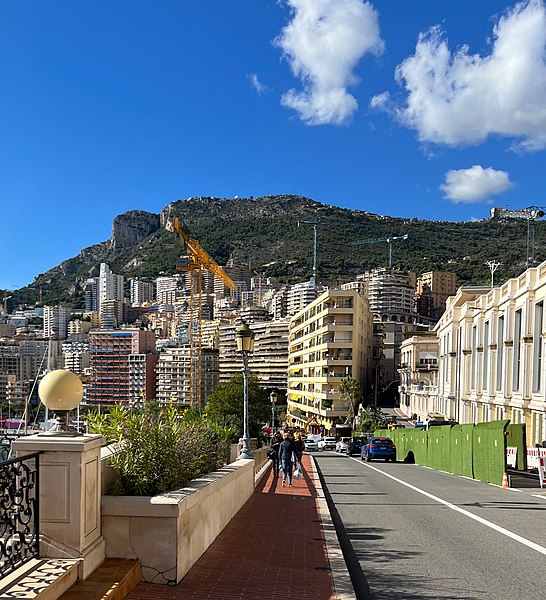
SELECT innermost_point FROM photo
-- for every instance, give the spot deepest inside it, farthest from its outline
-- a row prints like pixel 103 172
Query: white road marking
pixel 456 508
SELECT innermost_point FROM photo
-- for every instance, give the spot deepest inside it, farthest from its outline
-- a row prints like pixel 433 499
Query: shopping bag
pixel 298 474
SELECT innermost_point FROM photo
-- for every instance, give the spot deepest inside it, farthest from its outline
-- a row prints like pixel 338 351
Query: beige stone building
pixel 419 376
pixel 331 338
pixel 491 346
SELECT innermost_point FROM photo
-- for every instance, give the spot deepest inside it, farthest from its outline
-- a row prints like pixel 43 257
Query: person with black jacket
pixel 298 450
pixel 273 453
pixel 286 451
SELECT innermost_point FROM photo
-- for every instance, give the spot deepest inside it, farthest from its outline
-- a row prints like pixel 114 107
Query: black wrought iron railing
pixel 19 512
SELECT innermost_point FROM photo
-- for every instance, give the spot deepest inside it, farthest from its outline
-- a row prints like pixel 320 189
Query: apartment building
pixel 329 339
pixel 173 375
pixel 141 292
pixel 491 349
pixel 76 356
pixel 440 284
pixel 419 376
pixel 56 320
pixel 110 286
pixel 268 362
pixel 113 376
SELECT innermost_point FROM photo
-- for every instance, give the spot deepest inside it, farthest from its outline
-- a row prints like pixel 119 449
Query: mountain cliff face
pixel 268 232
pixel 132 227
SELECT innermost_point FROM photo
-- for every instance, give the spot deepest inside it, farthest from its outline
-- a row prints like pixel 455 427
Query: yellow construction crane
pixel 196 260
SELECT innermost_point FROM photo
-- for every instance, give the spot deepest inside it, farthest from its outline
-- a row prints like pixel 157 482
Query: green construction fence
pixel 476 451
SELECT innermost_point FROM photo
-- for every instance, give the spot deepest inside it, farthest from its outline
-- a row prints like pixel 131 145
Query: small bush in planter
pixel 159 448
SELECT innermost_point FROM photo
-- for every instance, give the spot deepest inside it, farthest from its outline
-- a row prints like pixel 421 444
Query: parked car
pixel 342 444
pixel 355 445
pixel 310 443
pixel 327 443
pixel 379 447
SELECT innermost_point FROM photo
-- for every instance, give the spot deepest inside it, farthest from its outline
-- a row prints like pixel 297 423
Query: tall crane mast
pixel 5 303
pixel 315 224
pixel 196 260
pixel 389 241
pixel 530 214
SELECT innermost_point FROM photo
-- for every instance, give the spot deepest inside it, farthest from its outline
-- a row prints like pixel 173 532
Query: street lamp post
pixel 245 345
pixel 273 398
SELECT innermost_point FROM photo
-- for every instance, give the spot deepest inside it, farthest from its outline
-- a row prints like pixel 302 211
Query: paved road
pixel 409 532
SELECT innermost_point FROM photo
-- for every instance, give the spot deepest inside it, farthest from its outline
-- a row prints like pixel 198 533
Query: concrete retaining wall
pixel 169 532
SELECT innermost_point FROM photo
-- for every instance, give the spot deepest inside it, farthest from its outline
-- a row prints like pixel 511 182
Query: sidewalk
pixel 273 548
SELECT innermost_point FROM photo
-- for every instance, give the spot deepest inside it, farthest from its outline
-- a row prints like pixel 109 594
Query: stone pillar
pixel 70 497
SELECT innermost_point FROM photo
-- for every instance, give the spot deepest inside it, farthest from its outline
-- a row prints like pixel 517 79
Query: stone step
pixel 40 579
pixel 113 580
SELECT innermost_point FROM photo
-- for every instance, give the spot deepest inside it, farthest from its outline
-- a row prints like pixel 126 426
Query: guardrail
pixel 19 512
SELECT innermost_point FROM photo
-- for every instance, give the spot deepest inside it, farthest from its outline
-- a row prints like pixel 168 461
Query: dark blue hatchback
pixel 379 447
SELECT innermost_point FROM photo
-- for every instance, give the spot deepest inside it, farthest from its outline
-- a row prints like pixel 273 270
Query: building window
pixel 500 351
pixel 517 350
pixel 537 347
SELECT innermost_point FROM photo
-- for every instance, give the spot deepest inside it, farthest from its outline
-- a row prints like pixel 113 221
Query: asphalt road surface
pixel 408 532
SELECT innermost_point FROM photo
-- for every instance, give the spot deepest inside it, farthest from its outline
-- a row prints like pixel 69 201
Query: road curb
pixel 341 580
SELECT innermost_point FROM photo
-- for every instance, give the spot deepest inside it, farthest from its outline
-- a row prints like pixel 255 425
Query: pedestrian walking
pixel 273 453
pixel 298 450
pixel 286 452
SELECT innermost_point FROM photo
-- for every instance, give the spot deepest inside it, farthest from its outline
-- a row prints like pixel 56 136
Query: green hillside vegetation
pixel 264 232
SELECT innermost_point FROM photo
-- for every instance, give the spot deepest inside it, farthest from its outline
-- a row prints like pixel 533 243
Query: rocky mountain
pixel 268 233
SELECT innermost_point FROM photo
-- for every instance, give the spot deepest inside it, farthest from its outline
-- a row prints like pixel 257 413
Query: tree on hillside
pixel 350 391
pixel 225 404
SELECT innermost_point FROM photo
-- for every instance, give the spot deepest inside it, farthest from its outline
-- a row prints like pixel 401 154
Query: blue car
pixel 379 447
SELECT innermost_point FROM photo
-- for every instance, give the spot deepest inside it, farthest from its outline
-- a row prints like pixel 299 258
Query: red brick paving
pixel 273 548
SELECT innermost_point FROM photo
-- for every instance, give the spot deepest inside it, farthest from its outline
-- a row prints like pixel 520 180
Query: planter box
pixel 169 532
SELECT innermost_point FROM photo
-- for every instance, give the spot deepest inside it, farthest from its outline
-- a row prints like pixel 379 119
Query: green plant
pixel 159 448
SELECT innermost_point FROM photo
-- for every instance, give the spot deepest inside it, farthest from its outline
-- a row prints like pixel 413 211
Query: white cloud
pixel 475 184
pixel 458 98
pixel 257 84
pixel 323 43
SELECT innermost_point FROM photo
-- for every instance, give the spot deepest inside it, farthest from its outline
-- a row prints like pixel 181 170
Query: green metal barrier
pixel 489 451
pixel 477 451
pixel 517 436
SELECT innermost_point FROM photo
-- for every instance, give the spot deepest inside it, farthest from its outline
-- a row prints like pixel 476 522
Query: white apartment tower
pixel 56 322
pixel 110 285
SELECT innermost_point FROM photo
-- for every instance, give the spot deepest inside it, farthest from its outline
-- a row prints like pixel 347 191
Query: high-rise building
pixel 167 289
pixel 268 362
pixel 92 296
pixel 173 375
pixel 330 339
pixel 112 372
pixel 110 286
pixel 440 286
pixel 141 292
pixel 299 296
pixel 76 356
pixel 56 322
pixel 390 294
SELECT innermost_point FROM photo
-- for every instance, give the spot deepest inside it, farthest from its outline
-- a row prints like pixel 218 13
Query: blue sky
pixel 427 109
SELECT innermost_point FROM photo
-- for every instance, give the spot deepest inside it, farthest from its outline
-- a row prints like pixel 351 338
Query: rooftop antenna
pixel 493 266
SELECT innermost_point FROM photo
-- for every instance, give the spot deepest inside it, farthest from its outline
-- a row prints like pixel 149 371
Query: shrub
pixel 158 449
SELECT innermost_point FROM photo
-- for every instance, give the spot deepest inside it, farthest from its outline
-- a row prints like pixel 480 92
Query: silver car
pixel 310 443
